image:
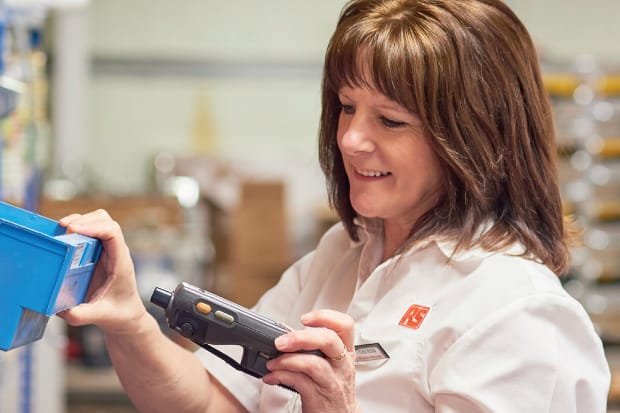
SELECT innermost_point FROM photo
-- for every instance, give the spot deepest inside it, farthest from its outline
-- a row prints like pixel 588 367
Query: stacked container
pixel 586 100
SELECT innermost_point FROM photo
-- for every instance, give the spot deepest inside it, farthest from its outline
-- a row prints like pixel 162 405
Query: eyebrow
pixel 342 94
pixel 385 103
pixel 381 105
pixel 392 106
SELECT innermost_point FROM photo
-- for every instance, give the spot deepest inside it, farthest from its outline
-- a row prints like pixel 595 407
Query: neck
pixel 394 236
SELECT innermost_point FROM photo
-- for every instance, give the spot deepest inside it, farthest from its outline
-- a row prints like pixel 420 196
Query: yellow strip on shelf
pixel 560 84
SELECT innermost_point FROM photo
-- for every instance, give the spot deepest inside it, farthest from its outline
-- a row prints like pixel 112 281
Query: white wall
pixel 266 116
pixel 234 29
pixel 566 28
pixel 261 103
pixel 132 117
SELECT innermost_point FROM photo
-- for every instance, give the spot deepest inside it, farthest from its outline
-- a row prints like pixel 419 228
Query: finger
pixel 75 316
pixel 336 321
pixel 317 368
pixel 75 218
pixel 100 284
pixel 98 224
pixel 306 372
pixel 107 314
pixel 102 228
pixel 297 381
pixel 115 258
pixel 323 339
pixel 65 221
pixel 86 220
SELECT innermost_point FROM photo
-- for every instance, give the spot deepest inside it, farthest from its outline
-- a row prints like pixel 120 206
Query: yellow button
pixel 203 308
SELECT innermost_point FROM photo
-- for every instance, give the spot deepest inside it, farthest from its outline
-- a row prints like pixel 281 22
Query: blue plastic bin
pixel 43 270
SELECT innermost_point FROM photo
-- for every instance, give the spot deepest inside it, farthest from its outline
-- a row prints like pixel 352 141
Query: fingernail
pixel 305 317
pixel 281 342
pixel 267 379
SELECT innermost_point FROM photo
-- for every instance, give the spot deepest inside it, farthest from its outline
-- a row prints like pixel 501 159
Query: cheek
pixel 435 173
pixel 423 163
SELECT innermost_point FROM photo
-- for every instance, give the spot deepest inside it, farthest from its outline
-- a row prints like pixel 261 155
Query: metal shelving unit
pixel 586 99
pixel 31 377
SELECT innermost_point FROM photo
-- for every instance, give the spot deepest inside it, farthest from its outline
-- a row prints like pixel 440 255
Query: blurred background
pixel 194 124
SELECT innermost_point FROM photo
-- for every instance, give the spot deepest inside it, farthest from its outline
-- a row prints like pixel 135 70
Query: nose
pixel 355 134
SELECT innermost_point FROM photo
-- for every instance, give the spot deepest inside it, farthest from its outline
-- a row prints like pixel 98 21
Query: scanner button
pixel 225 317
pixel 203 308
pixel 186 329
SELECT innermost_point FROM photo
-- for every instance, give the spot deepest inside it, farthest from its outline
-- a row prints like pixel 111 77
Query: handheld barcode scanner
pixel 206 318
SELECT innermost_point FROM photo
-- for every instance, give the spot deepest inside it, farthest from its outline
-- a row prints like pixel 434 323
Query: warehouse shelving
pixel 585 95
pixel 29 375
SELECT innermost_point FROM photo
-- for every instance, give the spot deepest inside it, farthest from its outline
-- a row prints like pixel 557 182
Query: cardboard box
pixel 259 244
pixel 248 226
pixel 129 211
pixel 259 230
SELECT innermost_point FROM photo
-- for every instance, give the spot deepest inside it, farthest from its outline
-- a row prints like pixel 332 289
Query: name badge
pixel 370 352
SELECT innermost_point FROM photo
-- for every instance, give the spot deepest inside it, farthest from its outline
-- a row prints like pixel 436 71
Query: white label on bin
pixel 77 256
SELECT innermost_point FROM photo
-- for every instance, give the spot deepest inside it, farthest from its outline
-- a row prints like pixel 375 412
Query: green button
pixel 225 317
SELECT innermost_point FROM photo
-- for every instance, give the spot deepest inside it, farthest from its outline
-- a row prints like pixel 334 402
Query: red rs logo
pixel 414 316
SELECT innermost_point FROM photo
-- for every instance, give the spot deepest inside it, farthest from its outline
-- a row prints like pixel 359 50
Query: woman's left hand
pixel 324 384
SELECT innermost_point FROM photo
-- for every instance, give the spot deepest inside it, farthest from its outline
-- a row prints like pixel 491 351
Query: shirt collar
pixel 367 228
pixel 373 227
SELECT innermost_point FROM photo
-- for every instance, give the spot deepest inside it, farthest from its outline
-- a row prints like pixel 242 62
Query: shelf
pixel 95 387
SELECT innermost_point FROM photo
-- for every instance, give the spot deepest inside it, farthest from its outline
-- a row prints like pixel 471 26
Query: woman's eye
pixel 391 123
pixel 348 109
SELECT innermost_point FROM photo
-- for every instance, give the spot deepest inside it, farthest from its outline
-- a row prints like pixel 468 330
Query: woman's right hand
pixel 112 300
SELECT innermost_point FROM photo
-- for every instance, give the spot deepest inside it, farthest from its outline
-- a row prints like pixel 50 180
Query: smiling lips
pixel 371 174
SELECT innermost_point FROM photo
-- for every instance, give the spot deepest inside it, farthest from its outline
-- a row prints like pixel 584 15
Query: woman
pixel 439 290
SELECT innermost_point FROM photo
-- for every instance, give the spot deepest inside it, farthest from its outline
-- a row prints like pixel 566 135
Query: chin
pixel 366 212
pixel 367 206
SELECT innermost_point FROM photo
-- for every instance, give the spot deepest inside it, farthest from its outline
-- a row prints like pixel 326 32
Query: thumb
pixel 340 323
pixel 78 316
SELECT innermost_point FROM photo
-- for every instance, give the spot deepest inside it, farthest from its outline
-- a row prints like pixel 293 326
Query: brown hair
pixel 470 71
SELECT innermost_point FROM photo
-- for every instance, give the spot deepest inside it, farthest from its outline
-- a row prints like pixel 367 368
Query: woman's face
pixel 393 172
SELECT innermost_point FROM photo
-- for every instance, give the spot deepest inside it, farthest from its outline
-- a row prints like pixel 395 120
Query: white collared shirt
pixel 486 332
